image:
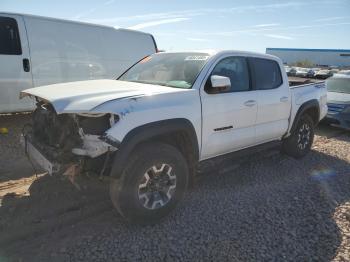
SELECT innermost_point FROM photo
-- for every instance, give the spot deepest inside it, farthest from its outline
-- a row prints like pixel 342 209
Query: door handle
pixel 26 65
pixel 250 103
pixel 284 99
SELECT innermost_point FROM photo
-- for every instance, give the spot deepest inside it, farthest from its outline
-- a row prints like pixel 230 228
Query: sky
pixel 249 25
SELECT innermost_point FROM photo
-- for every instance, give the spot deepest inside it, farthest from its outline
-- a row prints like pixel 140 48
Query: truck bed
pixel 308 92
pixel 298 81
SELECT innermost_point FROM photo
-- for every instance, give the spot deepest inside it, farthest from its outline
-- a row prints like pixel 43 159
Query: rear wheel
pixel 152 183
pixel 299 143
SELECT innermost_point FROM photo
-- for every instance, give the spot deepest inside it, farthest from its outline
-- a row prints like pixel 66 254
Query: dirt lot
pixel 267 208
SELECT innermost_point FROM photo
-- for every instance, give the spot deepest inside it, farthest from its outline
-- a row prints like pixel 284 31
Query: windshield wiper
pixel 152 83
pixel 138 81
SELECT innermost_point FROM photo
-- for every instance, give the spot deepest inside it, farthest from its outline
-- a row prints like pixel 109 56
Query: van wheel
pixel 299 143
pixel 152 183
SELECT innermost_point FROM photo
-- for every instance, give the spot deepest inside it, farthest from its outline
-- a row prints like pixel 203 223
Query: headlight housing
pixel 96 124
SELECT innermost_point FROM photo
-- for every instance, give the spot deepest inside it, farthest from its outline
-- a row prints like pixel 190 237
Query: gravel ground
pixel 268 208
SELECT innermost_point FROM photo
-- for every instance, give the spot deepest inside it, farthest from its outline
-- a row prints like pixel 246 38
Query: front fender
pixel 151 130
pixel 134 112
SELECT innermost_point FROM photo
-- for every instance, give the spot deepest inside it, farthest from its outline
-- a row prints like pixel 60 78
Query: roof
pixel 53 19
pixel 210 52
pixel 308 50
pixel 213 52
pixel 70 21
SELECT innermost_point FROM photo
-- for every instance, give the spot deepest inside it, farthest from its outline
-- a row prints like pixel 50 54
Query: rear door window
pixel 10 43
pixel 266 73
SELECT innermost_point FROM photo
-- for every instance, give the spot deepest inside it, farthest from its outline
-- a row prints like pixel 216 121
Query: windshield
pixel 338 85
pixel 168 69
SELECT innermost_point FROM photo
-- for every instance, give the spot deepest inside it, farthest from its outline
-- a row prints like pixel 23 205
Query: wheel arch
pixel 312 108
pixel 178 132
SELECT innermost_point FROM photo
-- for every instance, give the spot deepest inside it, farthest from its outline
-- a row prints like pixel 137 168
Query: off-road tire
pixel 299 143
pixel 124 192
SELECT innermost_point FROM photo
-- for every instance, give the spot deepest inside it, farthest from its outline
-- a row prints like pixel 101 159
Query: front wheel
pixel 299 143
pixel 152 183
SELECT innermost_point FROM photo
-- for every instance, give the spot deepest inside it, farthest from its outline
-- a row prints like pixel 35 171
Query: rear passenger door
pixel 273 98
pixel 228 117
pixel 15 71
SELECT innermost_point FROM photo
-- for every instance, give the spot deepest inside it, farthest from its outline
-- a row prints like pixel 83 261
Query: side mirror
pixel 220 83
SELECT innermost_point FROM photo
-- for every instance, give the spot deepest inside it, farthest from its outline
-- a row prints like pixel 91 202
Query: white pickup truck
pixel 149 129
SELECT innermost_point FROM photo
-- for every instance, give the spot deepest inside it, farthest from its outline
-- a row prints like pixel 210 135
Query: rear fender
pixel 311 104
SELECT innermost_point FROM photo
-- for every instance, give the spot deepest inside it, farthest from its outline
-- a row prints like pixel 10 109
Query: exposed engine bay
pixel 72 142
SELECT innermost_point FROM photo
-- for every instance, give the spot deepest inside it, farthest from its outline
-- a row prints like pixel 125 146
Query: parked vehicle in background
pixel 291 72
pixel 333 71
pixel 150 129
pixel 311 73
pixel 301 72
pixel 338 100
pixel 287 68
pixel 323 74
pixel 36 51
pixel 343 72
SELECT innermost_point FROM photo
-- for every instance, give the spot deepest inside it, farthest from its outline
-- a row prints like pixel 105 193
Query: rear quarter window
pixel 10 43
pixel 266 73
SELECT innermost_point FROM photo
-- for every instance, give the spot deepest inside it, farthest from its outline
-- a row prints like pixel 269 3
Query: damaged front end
pixel 69 143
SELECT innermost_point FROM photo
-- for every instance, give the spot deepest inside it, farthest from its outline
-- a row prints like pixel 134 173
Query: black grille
pixel 335 108
pixel 58 131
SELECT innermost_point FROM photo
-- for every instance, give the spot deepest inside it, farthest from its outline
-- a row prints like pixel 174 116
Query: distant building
pixel 321 57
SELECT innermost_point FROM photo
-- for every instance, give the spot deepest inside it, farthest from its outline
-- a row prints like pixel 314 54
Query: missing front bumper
pixel 38 158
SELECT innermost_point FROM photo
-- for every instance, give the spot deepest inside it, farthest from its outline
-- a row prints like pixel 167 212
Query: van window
pixel 266 73
pixel 10 43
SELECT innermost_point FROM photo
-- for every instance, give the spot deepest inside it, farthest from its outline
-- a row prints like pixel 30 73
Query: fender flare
pixel 304 107
pixel 148 131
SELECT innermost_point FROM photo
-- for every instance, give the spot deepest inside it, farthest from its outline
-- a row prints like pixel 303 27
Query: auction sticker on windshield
pixel 196 58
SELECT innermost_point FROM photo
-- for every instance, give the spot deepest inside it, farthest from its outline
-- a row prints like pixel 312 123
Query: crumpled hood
pixel 333 97
pixel 84 96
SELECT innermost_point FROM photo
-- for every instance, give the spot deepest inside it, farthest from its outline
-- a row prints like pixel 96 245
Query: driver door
pixel 228 117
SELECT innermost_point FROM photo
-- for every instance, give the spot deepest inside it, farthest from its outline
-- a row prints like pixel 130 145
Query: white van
pixel 36 51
